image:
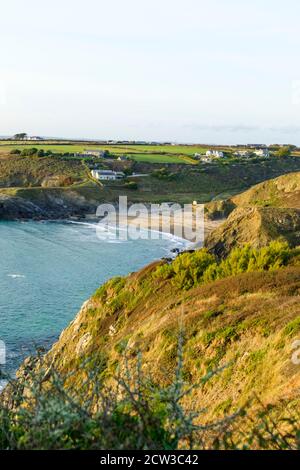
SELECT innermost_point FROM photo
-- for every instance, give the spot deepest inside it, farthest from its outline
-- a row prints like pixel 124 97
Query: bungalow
pixel 107 175
pixel 262 152
pixel 34 137
pixel 93 153
pixel 215 153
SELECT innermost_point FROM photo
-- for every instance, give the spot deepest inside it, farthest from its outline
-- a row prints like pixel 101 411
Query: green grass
pixel 154 151
pixel 161 158
pixel 189 150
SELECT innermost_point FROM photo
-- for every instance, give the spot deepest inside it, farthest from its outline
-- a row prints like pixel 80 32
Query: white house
pixel 262 152
pixel 107 175
pixel 215 153
pixel 94 153
pixel 33 137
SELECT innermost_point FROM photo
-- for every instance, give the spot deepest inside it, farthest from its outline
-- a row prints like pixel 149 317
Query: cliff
pixel 243 322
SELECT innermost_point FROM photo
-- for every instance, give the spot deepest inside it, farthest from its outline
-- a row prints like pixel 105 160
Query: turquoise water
pixel 48 269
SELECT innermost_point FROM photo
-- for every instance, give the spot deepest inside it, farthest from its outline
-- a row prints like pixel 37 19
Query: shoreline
pixel 154 223
pixel 175 229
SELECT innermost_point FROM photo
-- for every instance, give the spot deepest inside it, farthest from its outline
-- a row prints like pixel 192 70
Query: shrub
pixel 191 269
pixel 134 412
pixel 131 185
pixel 29 152
pixel 164 174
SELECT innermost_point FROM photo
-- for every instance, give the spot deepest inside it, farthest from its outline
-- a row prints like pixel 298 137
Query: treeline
pixel 28 152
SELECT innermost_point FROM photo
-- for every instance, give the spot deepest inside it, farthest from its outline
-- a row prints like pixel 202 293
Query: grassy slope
pixel 283 191
pixel 16 170
pixel 204 182
pixel 247 322
pixel 189 182
pixel 267 211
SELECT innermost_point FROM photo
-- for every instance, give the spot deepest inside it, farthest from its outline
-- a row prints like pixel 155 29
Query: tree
pixel 284 152
pixel 20 136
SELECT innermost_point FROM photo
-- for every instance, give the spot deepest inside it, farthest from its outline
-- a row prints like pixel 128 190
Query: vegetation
pixel 284 152
pixel 32 167
pixel 190 270
pixel 134 412
pixel 164 174
pixel 114 367
pixel 131 185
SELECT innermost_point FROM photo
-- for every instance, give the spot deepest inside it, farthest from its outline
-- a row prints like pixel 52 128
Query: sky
pixel 223 71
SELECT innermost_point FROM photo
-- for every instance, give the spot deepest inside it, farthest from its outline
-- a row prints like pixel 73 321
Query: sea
pixel 49 268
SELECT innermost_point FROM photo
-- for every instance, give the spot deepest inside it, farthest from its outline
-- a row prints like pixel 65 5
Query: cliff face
pixel 47 203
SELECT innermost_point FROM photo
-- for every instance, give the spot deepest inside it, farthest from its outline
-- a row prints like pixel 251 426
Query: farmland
pixel 140 153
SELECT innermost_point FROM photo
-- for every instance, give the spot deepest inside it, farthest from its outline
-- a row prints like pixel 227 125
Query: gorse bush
pixel 40 411
pixel 192 269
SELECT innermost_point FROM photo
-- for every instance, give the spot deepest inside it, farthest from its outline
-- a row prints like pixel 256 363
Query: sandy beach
pixel 191 226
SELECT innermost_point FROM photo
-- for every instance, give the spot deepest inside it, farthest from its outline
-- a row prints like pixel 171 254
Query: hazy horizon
pixel 217 73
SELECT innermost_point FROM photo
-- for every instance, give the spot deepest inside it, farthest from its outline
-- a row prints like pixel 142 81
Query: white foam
pixel 16 276
pixel 3 383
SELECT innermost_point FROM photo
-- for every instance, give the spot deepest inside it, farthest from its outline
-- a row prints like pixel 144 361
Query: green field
pixel 140 153
pixel 189 150
pixel 161 158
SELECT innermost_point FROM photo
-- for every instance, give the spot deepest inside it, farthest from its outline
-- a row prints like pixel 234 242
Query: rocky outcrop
pixel 45 204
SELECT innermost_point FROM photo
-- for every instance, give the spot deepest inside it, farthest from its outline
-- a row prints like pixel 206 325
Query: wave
pixel 16 276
